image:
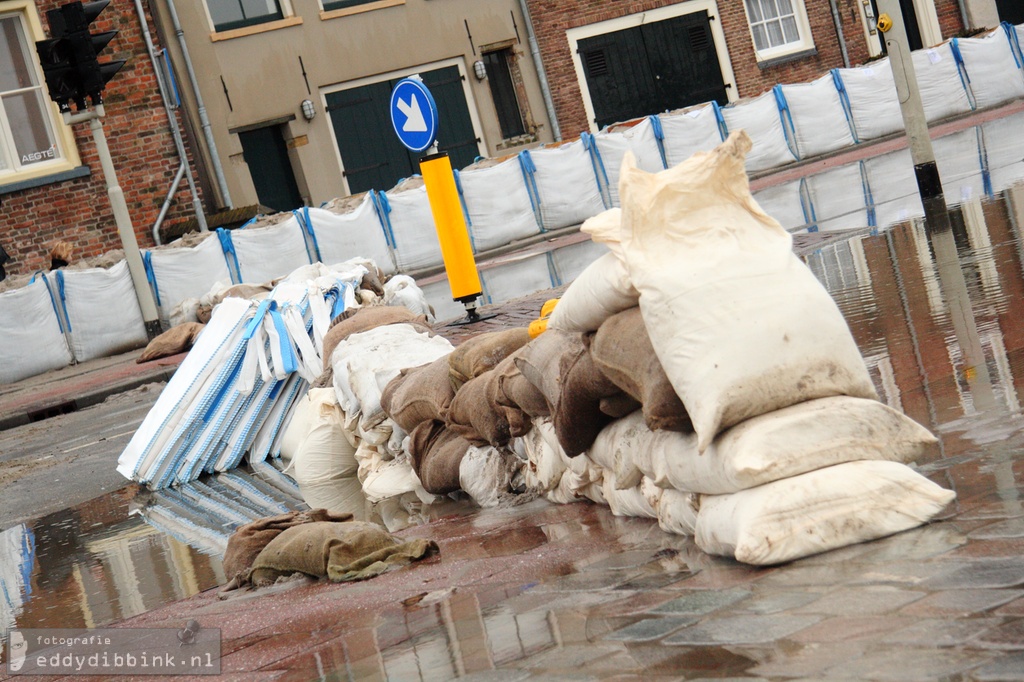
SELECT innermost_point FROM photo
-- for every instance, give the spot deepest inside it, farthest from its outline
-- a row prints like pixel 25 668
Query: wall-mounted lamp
pixel 308 109
pixel 479 70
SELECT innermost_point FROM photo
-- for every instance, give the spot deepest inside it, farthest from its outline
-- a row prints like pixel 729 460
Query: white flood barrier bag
pixel 839 198
pixel 498 205
pixel 762 120
pixel 516 278
pixel 612 147
pixel 817 511
pixel 102 311
pixel 439 297
pixel 961 164
pixel 688 132
pixel 266 253
pixel 33 342
pixel 1005 165
pixel 786 203
pixel 993 71
pixel 820 122
pixel 625 501
pixel 942 87
pixel 409 224
pixel 870 94
pixel 740 324
pixel 894 191
pixel 187 272
pixel 570 261
pixel 339 236
pixel 564 184
pixel 677 512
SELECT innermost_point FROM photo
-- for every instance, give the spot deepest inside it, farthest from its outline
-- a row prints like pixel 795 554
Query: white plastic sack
pixel 567 186
pixel 600 291
pixel 938 80
pixel 401 290
pixel 546 461
pixel 486 474
pixel 187 272
pixel 498 204
pixel 612 148
pixel 739 323
pixel 516 278
pixel 872 95
pixel 625 501
pixel 315 441
pixel 677 512
pixel 761 119
pixel 411 223
pixel 571 260
pixel 993 74
pixel 689 132
pixel 340 236
pixel 103 312
pixel 839 198
pixel 819 119
pixel 817 511
pixel 387 478
pixel 266 253
pixel 616 446
pixel 32 340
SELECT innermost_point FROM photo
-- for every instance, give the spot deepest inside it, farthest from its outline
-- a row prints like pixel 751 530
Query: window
pixel 503 92
pixel 343 4
pixel 232 14
pixel 778 27
pixel 27 132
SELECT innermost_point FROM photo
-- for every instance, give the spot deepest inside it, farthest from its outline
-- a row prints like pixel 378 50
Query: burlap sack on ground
pixel 173 341
pixel 353 550
pixel 436 453
pixel 483 352
pixel 418 394
pixel 355 320
pixel 473 414
pixel 519 421
pixel 622 350
pixel 540 361
pixel 249 540
pixel 578 417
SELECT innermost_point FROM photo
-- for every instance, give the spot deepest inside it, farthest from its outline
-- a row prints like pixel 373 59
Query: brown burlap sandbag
pixel 515 391
pixel 619 405
pixel 622 350
pixel 519 421
pixel 483 352
pixel 473 414
pixel 173 341
pixel 577 417
pixel 354 550
pixel 540 361
pixel 436 454
pixel 355 320
pixel 418 394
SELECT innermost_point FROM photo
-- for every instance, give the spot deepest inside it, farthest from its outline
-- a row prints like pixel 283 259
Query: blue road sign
pixel 414 114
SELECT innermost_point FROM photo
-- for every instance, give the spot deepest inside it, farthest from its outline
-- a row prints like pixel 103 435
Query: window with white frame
pixel 231 14
pixel 27 130
pixel 778 27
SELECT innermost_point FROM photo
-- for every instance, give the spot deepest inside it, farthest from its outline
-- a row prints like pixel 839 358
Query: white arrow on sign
pixel 414 122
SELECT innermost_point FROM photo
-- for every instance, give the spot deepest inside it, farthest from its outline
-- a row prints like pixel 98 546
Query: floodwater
pixel 938 316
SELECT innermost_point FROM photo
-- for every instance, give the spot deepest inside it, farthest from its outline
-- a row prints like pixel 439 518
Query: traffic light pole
pixel 125 230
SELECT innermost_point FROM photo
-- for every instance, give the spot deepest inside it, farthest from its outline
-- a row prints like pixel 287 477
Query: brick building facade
pixel 70 202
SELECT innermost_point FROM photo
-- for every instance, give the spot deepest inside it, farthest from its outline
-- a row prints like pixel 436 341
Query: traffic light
pixel 55 56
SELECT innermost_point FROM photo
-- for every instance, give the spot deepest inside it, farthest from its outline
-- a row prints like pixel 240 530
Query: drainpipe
pixel 839 32
pixel 197 205
pixel 204 120
pixel 538 63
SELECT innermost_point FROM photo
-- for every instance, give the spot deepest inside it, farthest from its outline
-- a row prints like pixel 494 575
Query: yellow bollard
pixel 450 223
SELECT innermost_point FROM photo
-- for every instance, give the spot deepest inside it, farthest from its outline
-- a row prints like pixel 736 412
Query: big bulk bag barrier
pixel 563 183
pixel 102 311
pixel 788 203
pixel 516 278
pixel 177 274
pixel 33 340
pixel 820 122
pixel 339 235
pixel 690 131
pixel 869 93
pixel 261 254
pixel 498 204
pixel 762 117
pixel 717 278
pixel 940 82
pixel 839 198
pixel 17 557
pixel 961 166
pixel 611 147
pixel 893 186
pixel 570 261
pixel 992 68
pixel 409 225
pixel 1003 163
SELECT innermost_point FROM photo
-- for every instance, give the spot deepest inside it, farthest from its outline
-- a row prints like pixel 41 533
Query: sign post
pixel 414 118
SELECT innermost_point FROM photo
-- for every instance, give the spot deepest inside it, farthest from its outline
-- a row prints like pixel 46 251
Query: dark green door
pixel 1011 11
pixel 370 151
pixel 652 68
pixel 266 154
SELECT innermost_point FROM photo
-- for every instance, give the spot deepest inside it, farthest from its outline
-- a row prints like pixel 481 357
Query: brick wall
pixel 144 154
pixel 552 18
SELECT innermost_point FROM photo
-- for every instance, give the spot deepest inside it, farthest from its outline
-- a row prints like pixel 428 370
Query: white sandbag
pixel 566 184
pixel 688 132
pixel 961 165
pixel 786 203
pixel 628 501
pixel 33 342
pixel 819 119
pixel 600 291
pixel 103 312
pixel 942 88
pixel 677 512
pixel 893 186
pixel 486 474
pixel 498 204
pixel 186 311
pixel 871 94
pixel 817 511
pixel 410 223
pixel 315 441
pixel 839 198
pixel 299 422
pixel 266 253
pixel 739 323
pixel 186 273
pixel 761 118
pixel 994 75
pixel 401 290
pixel 614 448
pixel 387 478
pixel 546 461
pixel 575 487
pixel 570 261
pixel 612 148
pixel 343 235
pixel 515 278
